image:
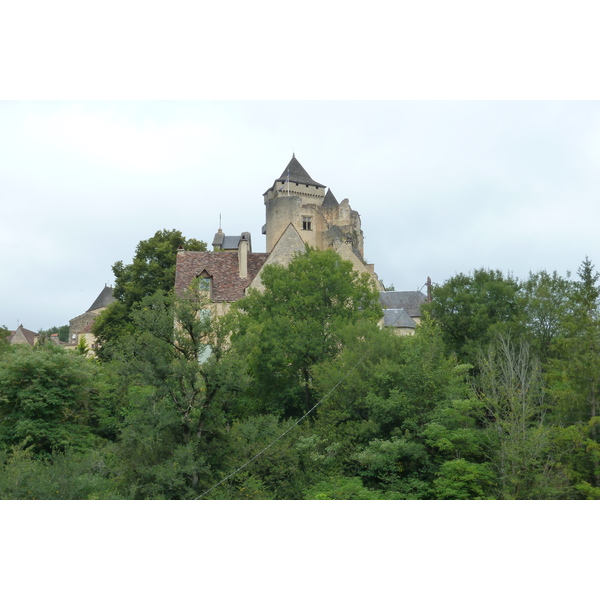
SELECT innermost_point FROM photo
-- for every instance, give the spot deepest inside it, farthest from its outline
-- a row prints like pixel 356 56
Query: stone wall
pixel 80 324
pixel 289 245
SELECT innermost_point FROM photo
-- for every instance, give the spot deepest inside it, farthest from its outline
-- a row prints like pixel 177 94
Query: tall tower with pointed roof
pixel 322 222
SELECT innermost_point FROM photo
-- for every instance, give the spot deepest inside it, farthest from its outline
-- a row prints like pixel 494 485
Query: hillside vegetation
pixel 298 394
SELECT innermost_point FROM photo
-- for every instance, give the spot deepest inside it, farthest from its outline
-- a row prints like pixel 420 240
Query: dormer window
pixel 204 282
pixel 307 223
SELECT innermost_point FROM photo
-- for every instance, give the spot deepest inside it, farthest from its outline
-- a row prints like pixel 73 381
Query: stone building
pixel 81 326
pixel 23 336
pixel 402 310
pixel 299 210
pixel 320 220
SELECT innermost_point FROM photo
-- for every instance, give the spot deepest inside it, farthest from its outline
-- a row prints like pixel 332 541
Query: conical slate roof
pixel 298 174
pixel 104 299
pixel 330 199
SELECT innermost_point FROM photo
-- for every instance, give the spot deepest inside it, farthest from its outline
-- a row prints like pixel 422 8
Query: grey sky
pixel 442 187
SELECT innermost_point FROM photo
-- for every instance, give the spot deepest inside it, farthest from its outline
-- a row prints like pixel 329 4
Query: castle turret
pixel 321 221
pixel 295 197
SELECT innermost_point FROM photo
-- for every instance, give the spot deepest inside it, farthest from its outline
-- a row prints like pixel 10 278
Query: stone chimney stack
pixel 244 247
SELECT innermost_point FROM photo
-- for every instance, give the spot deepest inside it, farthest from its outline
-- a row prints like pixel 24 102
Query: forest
pixel 297 393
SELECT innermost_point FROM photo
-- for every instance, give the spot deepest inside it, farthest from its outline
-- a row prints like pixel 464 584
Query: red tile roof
pixel 28 335
pixel 223 268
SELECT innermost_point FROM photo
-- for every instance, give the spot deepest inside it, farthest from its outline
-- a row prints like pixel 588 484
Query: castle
pixel 299 211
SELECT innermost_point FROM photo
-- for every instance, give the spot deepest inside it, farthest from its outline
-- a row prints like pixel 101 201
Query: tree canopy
pixel 295 323
pixel 299 393
pixel 152 270
pixel 472 308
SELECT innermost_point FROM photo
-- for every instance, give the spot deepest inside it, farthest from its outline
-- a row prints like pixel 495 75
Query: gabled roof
pixel 223 268
pixel 297 174
pixel 23 336
pixel 409 301
pixel 285 249
pixel 103 300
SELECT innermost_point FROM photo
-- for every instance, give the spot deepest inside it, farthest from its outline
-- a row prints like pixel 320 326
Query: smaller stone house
pixel 402 310
pixel 81 326
pixel 23 336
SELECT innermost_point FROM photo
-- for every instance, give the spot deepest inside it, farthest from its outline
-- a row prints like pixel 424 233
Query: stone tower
pixel 322 222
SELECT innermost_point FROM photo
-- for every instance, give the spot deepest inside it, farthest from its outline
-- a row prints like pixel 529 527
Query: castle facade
pixel 299 211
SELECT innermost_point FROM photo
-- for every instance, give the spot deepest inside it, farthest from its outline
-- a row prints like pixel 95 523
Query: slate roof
pixel 223 267
pixel 231 242
pixel 219 237
pixel 409 301
pixel 330 199
pixel 103 300
pixel 397 317
pixel 297 173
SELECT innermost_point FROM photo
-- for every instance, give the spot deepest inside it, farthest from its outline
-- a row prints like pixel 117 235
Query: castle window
pixel 307 223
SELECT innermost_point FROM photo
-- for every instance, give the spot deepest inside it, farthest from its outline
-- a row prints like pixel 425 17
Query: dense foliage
pixel 298 393
pixel 152 270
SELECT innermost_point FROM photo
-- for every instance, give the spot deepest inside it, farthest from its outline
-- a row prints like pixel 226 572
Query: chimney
pixel 244 247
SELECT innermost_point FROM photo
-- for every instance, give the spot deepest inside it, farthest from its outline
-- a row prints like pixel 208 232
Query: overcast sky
pixel 442 187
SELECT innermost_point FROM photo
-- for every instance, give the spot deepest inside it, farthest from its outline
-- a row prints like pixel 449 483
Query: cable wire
pixel 286 431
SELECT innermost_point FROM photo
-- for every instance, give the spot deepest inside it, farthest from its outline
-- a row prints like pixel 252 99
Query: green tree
pixel 63 333
pixel 152 270
pixel 65 475
pixel 460 479
pixel 295 324
pixel 4 333
pixel 574 376
pixel 153 266
pixel 546 298
pixel 172 439
pixel 342 488
pixel 471 309
pixel 520 442
pixel 397 408
pixel 48 398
